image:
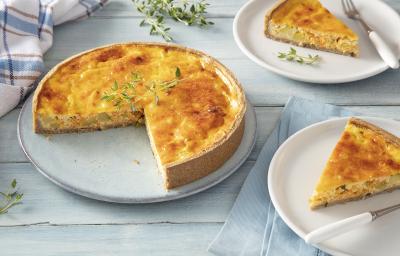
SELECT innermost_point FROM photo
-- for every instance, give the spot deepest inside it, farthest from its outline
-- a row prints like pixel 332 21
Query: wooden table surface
pixel 52 221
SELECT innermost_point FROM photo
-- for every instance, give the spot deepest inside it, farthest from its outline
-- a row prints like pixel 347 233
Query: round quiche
pixel 192 106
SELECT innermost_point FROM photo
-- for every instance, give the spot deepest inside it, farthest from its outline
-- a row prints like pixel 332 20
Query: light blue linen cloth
pixel 253 227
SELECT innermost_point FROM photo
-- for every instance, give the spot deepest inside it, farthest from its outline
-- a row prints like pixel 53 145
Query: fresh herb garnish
pixel 115 86
pixel 123 92
pixel 184 11
pixel 292 55
pixel 177 73
pixel 127 92
pixel 154 87
pixel 11 197
pixel 165 86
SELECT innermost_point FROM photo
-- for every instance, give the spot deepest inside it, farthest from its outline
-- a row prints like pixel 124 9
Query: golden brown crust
pixel 390 138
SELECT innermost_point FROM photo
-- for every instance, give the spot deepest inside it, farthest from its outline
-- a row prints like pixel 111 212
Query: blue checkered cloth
pixel 253 227
pixel 27 33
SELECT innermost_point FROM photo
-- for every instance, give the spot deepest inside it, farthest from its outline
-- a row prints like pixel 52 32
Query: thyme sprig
pixel 187 12
pixel 292 55
pixel 11 197
pixel 165 86
pixel 123 92
pixel 119 94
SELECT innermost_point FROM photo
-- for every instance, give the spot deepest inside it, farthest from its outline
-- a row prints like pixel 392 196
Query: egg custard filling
pixel 365 161
pixel 192 106
pixel 307 23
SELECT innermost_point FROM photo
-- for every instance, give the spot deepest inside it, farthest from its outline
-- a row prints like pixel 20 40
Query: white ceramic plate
pixel 102 165
pixel 248 31
pixel 293 174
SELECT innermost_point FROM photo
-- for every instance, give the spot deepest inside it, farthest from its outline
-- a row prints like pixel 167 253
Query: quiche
pixel 191 105
pixel 365 161
pixel 307 23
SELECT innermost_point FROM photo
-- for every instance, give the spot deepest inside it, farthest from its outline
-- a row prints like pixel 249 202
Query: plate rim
pixel 293 76
pixel 295 228
pixel 128 200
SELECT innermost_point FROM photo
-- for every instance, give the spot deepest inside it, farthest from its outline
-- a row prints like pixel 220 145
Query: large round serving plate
pixel 248 31
pixel 293 174
pixel 115 165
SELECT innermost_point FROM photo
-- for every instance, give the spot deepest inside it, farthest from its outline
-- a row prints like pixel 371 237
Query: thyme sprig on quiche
pixel 126 93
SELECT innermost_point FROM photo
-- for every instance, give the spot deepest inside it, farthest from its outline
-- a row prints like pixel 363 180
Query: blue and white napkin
pixel 253 227
pixel 27 33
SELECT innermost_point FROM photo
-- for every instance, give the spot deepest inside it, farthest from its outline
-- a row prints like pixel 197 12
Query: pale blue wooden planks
pixel 45 202
pixel 105 240
pixel 52 221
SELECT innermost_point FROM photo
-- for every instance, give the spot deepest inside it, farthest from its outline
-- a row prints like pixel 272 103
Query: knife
pixel 343 226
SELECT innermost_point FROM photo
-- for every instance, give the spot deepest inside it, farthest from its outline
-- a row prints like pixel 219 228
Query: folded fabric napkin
pixel 253 227
pixel 27 33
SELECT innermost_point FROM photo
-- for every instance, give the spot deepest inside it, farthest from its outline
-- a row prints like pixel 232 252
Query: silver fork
pixel 381 46
pixel 343 226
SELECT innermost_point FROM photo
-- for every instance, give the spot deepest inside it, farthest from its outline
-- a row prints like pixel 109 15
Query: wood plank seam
pixel 48 224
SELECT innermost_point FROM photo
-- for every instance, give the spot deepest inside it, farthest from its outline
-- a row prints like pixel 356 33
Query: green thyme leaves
pixel 187 12
pixel 177 73
pixel 10 198
pixel 108 97
pixel 165 86
pixel 115 86
pixel 292 55
pixel 126 93
pixel 122 92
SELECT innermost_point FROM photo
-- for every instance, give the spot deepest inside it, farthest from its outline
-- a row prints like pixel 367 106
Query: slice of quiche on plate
pixel 309 24
pixel 192 106
pixel 364 162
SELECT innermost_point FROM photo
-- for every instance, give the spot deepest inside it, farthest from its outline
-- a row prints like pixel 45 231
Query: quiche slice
pixel 307 23
pixel 192 106
pixel 365 161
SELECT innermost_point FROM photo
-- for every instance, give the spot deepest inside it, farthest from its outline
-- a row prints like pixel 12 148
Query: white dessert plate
pixel 293 174
pixel 115 165
pixel 248 31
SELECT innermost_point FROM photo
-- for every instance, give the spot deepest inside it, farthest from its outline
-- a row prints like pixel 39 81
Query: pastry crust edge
pixel 362 197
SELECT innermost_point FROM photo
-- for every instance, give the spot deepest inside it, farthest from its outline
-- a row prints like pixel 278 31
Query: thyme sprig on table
pixel 11 197
pixel 292 55
pixel 187 12
pixel 120 93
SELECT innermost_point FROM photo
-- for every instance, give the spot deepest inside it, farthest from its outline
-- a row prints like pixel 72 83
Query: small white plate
pixel 102 165
pixel 248 31
pixel 293 174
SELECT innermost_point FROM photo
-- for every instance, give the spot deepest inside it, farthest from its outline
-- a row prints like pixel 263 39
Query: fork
pixel 343 226
pixel 381 46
